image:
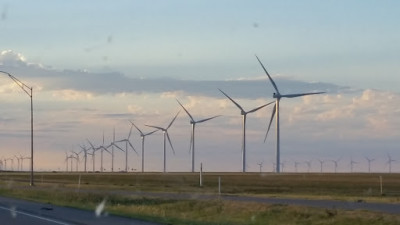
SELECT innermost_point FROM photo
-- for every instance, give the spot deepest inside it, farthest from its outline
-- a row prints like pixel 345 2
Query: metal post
pixel 219 185
pixel 30 94
pixel 201 174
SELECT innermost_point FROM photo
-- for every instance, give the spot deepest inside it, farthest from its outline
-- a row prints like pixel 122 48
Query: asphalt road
pixel 20 212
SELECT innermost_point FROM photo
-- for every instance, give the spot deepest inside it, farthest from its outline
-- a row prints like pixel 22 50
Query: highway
pixel 21 212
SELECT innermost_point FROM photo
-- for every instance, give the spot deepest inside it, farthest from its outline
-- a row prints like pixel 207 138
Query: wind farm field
pixel 135 195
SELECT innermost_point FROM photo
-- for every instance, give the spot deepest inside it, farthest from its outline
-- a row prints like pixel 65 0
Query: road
pixel 21 212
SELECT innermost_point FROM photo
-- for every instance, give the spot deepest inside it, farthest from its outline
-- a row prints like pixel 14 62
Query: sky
pixel 95 66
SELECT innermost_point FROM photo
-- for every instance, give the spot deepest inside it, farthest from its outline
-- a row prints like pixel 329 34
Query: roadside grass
pixel 201 212
pixel 307 185
pixel 64 189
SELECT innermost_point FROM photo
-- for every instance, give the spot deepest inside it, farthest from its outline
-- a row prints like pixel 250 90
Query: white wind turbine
pixel 127 142
pixel 142 136
pixel 85 153
pixel 275 112
pixel 244 114
pixel 260 164
pixel 193 123
pixel 308 163
pixel 76 157
pixel 335 163
pixel 166 136
pixel 369 163
pixel 322 163
pixel 352 162
pixel 93 153
pixel 389 162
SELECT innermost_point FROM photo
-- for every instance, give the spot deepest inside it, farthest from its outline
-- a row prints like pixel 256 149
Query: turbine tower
pixel 277 95
pixel 244 114
pixel 166 136
pixel 193 123
pixel 142 136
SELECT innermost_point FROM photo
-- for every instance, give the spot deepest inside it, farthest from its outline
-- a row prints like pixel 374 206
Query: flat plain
pixel 86 190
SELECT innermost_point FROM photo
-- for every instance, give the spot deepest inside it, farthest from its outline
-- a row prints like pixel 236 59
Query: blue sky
pixel 107 62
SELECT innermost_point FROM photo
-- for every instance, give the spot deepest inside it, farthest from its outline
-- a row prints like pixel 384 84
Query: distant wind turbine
pixel 275 112
pixel 308 163
pixel 166 136
pixel 85 153
pixel 142 136
pixel 193 123
pixel 322 163
pixel 369 163
pixel 260 164
pixel 296 164
pixel 76 157
pixel 352 162
pixel 244 114
pixel 93 153
pixel 335 163
pixel 127 142
pixel 389 162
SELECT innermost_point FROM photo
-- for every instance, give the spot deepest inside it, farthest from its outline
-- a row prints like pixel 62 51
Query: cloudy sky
pixel 95 66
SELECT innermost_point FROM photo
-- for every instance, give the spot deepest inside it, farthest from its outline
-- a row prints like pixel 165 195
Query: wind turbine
pixel 352 162
pixel 77 159
pixel 142 136
pixel 296 164
pixel 335 162
pixel 127 142
pixel 308 163
pixel 166 136
pixel 322 163
pixel 85 153
pixel 18 161
pixel 93 153
pixel 390 160
pixel 369 163
pixel 193 123
pixel 244 114
pixel 277 95
pixel 260 164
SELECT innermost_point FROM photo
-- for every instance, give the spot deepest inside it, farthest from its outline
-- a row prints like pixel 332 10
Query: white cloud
pixel 72 95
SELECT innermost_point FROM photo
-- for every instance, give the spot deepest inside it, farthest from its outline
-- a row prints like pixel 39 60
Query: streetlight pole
pixel 28 91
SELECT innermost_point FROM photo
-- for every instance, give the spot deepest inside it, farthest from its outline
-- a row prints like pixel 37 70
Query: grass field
pixel 61 189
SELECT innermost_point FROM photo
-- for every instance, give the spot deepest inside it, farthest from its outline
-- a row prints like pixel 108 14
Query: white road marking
pixel 34 216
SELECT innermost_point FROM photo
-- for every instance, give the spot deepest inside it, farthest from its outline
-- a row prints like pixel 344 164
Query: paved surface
pixel 20 212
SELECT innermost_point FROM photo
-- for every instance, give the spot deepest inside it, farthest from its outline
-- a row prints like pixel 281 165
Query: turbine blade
pixel 118 147
pixel 170 143
pixel 240 107
pixel 258 108
pixel 270 122
pixel 91 145
pixel 210 118
pixel 137 128
pixel 270 78
pixel 130 144
pixel 150 133
pixel 130 132
pixel 170 124
pixel 187 112
pixel 159 128
pixel 302 94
